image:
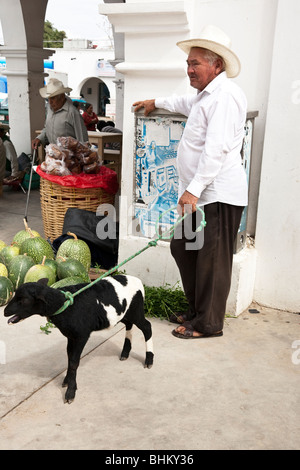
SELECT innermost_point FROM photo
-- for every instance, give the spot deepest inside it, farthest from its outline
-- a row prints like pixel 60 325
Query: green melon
pixel 2 244
pixel 3 270
pixel 8 253
pixel 40 271
pixel 72 267
pixel 75 249
pixel 18 268
pixel 6 290
pixel 25 233
pixel 52 264
pixel 68 281
pixel 37 248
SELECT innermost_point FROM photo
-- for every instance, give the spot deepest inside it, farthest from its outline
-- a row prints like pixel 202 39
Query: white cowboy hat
pixel 214 39
pixel 54 87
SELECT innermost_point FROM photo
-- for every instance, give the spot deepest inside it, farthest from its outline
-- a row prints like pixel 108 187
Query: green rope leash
pixel 70 297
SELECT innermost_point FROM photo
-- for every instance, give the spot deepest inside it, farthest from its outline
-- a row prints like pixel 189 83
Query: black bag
pixel 88 226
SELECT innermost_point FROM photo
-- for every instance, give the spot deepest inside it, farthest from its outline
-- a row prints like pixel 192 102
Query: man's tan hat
pixel 214 39
pixel 54 87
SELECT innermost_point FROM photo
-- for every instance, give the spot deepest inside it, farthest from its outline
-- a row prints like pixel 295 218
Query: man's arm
pixel 175 104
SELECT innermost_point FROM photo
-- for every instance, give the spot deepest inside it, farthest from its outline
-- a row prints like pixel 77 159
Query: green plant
pixel 45 328
pixel 162 301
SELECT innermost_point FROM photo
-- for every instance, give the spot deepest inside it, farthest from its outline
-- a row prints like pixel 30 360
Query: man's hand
pixel 35 143
pixel 148 105
pixel 187 203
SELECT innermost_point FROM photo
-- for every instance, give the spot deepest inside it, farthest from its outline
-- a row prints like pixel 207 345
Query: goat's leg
pixel 74 350
pixel 147 332
pixel 127 343
pixel 136 315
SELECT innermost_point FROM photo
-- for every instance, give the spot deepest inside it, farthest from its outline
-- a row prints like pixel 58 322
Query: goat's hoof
pixel 149 360
pixel 69 401
pixel 123 358
pixel 69 397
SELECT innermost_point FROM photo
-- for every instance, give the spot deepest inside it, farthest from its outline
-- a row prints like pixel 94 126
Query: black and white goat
pixel 103 305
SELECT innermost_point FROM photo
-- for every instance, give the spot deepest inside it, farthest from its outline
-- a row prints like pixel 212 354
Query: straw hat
pixel 54 87
pixel 215 40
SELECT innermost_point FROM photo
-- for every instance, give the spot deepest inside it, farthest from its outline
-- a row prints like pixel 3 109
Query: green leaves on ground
pixel 163 301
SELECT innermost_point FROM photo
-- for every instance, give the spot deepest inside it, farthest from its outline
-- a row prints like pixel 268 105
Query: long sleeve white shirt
pixel 208 157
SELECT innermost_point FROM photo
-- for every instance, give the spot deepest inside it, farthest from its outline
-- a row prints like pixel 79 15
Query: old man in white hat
pixel 211 176
pixel 63 119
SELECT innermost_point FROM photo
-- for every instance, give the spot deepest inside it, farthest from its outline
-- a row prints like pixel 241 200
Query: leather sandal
pixel 188 333
pixel 178 317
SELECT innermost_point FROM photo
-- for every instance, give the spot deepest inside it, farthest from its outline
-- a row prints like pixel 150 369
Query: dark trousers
pixel 206 271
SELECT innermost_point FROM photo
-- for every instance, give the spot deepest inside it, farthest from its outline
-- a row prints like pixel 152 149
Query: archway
pixel 97 92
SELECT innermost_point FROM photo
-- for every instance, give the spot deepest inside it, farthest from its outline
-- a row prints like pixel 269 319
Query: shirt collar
pixel 64 107
pixel 210 88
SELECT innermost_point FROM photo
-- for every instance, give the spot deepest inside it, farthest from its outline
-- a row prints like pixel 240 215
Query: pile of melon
pixel 30 258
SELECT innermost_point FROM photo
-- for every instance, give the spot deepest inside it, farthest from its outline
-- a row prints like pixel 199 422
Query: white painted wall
pixel 278 224
pixel 84 69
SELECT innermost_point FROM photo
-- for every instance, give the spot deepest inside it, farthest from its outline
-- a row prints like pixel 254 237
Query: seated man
pixel 10 153
pixel 109 126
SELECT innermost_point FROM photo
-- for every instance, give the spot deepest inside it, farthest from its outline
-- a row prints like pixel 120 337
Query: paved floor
pixel 240 391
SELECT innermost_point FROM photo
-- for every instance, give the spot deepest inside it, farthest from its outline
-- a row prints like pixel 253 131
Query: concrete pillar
pixel 150 31
pixel 25 56
pixel 277 281
pixel 26 107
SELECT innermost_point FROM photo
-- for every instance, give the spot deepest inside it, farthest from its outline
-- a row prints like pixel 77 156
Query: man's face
pixel 56 102
pixel 199 70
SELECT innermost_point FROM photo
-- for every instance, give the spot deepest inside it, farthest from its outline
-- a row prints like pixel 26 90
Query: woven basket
pixel 57 199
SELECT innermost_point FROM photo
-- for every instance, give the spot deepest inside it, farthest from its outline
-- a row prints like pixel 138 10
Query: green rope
pixel 70 297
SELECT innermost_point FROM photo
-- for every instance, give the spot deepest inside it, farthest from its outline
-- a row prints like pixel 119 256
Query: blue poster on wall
pixel 156 188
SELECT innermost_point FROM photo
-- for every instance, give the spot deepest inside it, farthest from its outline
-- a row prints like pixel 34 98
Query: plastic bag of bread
pixel 54 151
pixel 93 168
pixel 69 143
pixel 53 166
pixel 90 158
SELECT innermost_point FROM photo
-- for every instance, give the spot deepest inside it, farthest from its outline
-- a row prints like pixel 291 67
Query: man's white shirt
pixel 209 154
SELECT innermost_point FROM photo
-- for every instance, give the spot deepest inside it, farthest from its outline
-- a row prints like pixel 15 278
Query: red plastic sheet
pixel 105 179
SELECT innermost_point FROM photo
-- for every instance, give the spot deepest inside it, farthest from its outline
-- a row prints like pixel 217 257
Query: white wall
pixel 278 224
pixel 83 66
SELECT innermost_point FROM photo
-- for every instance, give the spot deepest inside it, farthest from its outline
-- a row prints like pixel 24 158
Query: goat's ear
pixel 43 282
pixel 40 293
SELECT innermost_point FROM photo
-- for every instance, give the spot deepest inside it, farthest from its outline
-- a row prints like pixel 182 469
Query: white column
pixel 23 25
pixel 25 73
pixel 153 66
pixel 278 220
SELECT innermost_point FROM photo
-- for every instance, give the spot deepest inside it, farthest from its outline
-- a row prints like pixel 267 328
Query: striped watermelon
pixel 6 290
